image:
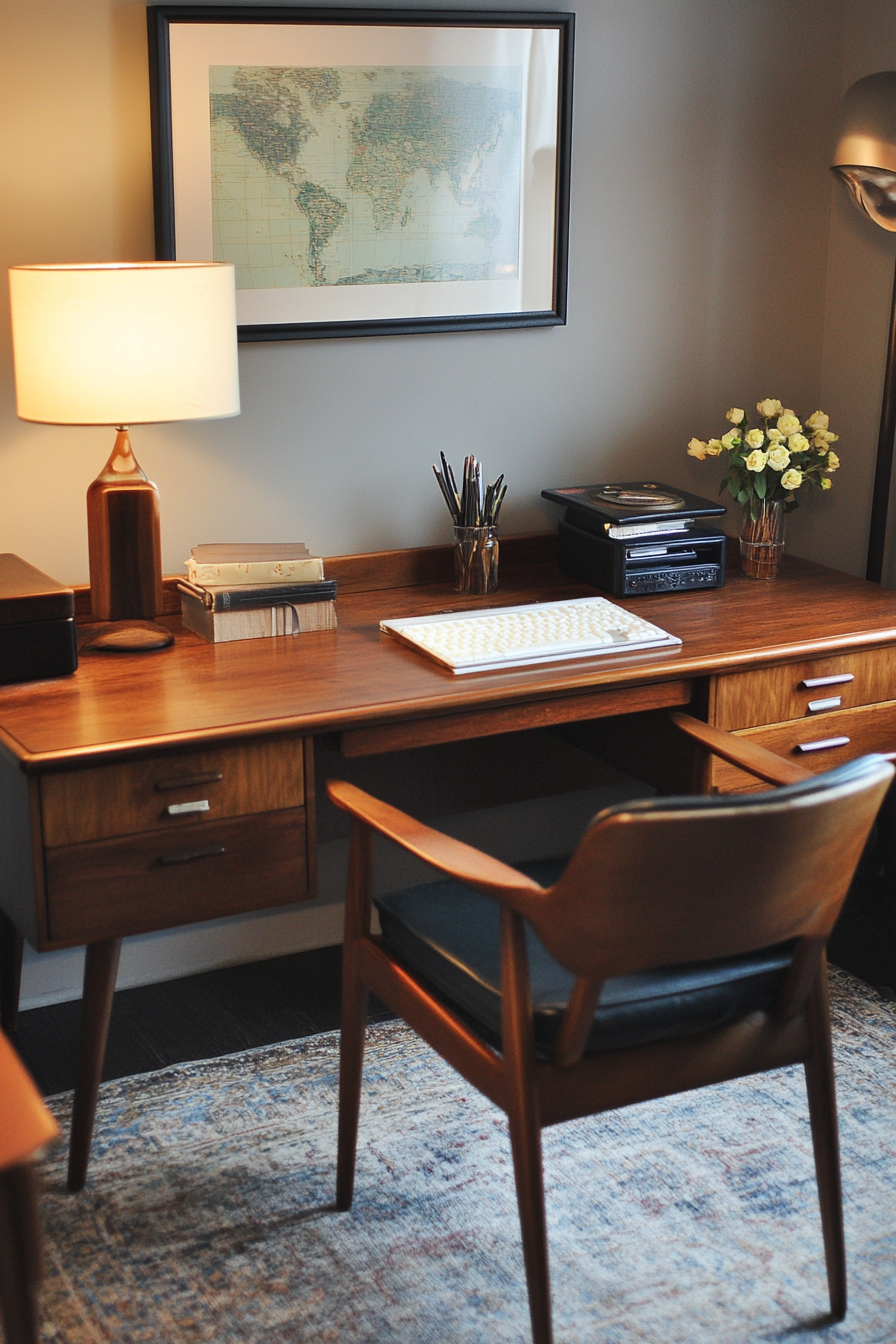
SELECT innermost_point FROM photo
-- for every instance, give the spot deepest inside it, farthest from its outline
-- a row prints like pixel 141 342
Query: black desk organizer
pixel 664 559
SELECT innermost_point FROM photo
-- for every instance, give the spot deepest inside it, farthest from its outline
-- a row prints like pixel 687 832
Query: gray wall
pixel 712 262
pixel 698 249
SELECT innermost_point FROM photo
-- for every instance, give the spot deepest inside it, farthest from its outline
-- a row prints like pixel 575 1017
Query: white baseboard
pixel 518 832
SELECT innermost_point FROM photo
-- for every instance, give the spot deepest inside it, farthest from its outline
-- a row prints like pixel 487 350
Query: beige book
pixel 220 627
pixel 235 573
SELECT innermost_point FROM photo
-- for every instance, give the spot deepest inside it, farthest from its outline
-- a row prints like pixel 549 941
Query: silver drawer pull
pixel 832 702
pixel 178 809
pixel 820 746
pixel 809 683
pixel 189 781
pixel 188 855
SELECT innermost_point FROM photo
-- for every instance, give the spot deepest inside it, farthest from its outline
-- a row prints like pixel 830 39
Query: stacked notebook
pixel 541 632
pixel 255 590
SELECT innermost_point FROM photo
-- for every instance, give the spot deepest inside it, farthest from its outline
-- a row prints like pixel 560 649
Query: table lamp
pixel 124 344
pixel 865 160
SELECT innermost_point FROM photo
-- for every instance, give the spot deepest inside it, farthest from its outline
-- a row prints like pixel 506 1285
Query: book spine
pixel 234 599
pixel 259 572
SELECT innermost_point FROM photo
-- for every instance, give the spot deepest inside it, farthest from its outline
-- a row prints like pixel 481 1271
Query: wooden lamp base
pixel 124 540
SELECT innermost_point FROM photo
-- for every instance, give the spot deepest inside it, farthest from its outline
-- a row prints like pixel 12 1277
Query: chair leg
pixel 20 1255
pixel 823 1117
pixel 525 1143
pixel 351 1065
pixel 524 1122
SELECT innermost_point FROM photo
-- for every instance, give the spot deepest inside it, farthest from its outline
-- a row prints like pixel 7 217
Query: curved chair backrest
pixel 670 880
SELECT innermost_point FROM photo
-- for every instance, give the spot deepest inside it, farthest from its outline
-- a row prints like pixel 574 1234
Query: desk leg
pixel 12 945
pixel 100 970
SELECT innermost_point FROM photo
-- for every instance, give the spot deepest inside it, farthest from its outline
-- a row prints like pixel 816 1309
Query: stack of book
pixel 252 591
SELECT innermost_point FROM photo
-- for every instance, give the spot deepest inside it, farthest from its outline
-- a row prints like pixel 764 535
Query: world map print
pixel 366 176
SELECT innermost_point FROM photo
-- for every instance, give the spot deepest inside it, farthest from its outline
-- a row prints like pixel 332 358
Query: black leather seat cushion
pixel 449 937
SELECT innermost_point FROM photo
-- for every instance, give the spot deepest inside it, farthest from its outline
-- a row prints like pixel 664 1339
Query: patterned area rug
pixel 208 1211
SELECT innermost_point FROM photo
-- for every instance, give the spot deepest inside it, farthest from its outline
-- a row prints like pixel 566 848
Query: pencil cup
pixel 476 559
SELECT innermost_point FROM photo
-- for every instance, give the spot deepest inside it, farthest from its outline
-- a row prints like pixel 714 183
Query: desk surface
pixel 355 677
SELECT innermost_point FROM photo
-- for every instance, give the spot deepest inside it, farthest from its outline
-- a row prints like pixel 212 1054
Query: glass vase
pixel 762 540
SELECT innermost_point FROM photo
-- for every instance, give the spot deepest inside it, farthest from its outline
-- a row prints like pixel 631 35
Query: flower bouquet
pixel 765 469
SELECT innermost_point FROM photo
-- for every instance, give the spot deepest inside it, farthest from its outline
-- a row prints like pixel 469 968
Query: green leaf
pixel 759 485
pixel 743 497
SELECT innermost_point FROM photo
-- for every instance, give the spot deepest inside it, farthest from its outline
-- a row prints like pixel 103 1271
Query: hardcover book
pixel 245 596
pixel 237 573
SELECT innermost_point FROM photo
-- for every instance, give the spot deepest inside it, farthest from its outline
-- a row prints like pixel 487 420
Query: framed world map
pixel 366 172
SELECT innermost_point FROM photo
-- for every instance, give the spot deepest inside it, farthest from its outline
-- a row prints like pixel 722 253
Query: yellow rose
pixel 697 448
pixel 775 435
pixel 714 447
pixel 730 440
pixel 817 420
pixel 788 424
pixel 798 443
pixel 769 407
pixel 792 479
pixel 756 461
pixel 820 444
pixel 825 483
pixel 833 462
pixel 755 438
pixel 778 457
pixel 735 415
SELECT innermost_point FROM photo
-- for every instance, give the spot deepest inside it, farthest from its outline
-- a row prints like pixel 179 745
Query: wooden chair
pixel 716 911
pixel 26 1126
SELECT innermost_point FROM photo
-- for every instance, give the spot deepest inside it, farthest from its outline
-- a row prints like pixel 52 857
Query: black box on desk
pixel 37 624
pixel 625 567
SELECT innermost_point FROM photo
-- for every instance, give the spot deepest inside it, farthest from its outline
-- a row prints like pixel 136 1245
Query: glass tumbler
pixel 476 559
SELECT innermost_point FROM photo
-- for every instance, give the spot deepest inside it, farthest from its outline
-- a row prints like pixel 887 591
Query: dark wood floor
pixel 219 1012
pixel 197 1017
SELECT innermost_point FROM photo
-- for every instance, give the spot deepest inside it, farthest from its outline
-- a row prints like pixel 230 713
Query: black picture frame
pixel 204 203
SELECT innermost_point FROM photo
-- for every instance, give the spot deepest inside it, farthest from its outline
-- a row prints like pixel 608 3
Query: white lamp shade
pixel 124 344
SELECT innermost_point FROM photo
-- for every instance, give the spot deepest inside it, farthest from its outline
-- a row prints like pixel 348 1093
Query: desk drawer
pixel 118 887
pixel 871 728
pixel 775 694
pixel 172 792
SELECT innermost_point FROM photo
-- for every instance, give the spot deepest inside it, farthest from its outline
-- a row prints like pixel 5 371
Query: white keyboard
pixel 540 632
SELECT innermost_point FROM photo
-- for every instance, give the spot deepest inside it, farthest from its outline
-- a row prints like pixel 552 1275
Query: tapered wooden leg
pixel 351 1065
pixel 524 1123
pixel 20 1255
pixel 100 970
pixel 823 1117
pixel 354 1010
pixel 12 946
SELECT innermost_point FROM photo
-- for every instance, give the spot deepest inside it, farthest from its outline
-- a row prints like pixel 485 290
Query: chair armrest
pixel 741 752
pixel 467 864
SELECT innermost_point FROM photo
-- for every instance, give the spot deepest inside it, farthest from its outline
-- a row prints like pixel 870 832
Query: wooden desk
pixel 95 769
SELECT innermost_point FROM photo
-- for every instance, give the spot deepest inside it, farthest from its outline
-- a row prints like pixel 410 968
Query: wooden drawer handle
pixel 178 809
pixel 188 855
pixel 820 746
pixel 809 683
pixel 817 706
pixel 189 781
